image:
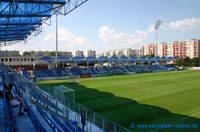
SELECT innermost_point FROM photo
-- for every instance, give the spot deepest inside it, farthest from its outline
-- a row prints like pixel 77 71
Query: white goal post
pixel 64 94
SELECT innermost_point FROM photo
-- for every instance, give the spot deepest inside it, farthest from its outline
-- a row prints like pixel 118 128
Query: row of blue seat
pixel 38 126
pixel 73 125
pixel 62 125
pixel 67 125
pixel 50 73
pixel 49 120
pixel 44 99
pixel 102 71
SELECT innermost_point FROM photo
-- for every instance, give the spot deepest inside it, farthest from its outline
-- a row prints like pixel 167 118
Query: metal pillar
pixel 0 55
pixel 156 43
pixel 56 40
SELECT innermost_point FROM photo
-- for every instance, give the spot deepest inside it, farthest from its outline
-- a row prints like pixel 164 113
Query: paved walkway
pixel 24 123
pixel 41 119
pixel 2 119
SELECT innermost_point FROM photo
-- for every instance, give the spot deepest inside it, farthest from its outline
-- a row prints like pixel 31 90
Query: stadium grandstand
pixel 26 106
pixel 19 20
pixel 115 66
pixel 44 112
pixel 101 70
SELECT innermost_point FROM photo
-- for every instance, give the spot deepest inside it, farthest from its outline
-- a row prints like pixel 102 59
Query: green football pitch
pixel 143 100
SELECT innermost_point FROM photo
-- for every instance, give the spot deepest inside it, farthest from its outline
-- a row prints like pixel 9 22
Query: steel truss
pixel 21 18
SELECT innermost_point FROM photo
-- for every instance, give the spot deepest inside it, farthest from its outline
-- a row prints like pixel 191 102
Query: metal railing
pixel 65 108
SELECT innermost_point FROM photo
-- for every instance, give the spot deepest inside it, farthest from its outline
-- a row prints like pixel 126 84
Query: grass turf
pixel 155 98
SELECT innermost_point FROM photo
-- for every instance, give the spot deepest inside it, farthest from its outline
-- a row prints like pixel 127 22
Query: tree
pixel 180 62
pixel 122 56
pixel 26 53
pixel 132 56
pixel 149 55
pixel 195 62
pixel 50 53
pixel 188 62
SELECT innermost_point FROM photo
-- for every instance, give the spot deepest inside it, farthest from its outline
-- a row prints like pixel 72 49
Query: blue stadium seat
pixel 49 120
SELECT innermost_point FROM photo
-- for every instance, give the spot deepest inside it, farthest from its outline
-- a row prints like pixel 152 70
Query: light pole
pixel 156 43
pixel 157 25
pixel 0 55
pixel 56 40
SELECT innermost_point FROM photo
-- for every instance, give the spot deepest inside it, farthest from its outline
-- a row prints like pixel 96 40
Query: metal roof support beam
pixel 16 30
pixel 38 1
pixel 22 15
pixel 21 18
pixel 72 5
pixel 16 9
pixel 16 33
pixel 11 39
pixel 2 40
pixel 19 24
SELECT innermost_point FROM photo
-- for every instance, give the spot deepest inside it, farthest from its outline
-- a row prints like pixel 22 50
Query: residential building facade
pixel 91 53
pixel 181 49
pixel 9 53
pixel 122 52
pixel 79 53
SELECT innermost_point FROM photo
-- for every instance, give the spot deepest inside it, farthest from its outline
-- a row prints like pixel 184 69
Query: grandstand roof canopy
pixel 20 18
pixel 91 58
pixel 47 58
pixel 113 58
pixel 103 58
pixel 63 58
pixel 124 58
pixel 77 58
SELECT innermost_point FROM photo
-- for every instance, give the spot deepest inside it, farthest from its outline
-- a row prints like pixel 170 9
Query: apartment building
pixel 181 49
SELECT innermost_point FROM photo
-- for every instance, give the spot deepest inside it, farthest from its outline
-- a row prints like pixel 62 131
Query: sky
pixel 104 25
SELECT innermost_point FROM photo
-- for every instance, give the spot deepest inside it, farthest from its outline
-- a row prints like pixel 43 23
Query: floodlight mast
pixel 157 25
pixel 0 52
pixel 156 43
pixel 56 40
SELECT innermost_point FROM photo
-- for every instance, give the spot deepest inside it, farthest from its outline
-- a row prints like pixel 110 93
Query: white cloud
pixel 111 38
pixel 186 24
pixel 151 28
pixel 67 41
pixel 66 38
pixel 116 39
